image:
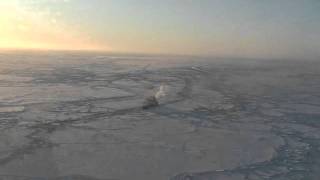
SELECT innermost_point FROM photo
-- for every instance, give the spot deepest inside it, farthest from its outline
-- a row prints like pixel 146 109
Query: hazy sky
pixel 244 28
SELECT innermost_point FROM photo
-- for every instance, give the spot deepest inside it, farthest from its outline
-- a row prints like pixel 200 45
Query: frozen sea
pixel 79 116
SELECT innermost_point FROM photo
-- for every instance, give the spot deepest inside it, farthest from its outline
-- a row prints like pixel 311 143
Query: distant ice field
pixel 79 116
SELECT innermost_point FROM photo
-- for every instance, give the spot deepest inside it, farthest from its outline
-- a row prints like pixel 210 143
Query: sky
pixel 231 28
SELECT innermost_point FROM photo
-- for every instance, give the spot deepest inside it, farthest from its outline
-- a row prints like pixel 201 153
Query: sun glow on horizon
pixel 26 28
